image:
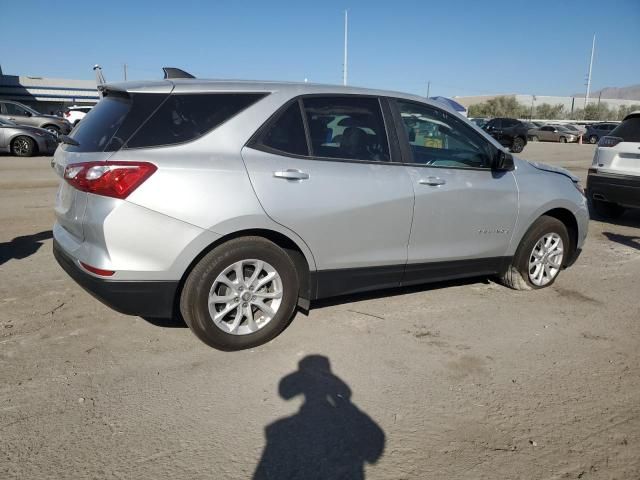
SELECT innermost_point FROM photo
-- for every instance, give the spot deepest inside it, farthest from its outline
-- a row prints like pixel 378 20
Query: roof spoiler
pixel 171 72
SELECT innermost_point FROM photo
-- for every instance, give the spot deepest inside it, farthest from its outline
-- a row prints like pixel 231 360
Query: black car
pixel 597 130
pixel 509 132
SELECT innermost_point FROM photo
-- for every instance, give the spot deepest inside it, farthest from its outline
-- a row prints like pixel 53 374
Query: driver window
pixel 437 139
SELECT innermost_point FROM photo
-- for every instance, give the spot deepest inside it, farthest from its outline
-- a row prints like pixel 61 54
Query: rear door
pixel 464 212
pixel 323 168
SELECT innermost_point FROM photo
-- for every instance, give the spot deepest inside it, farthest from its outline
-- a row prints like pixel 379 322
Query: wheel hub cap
pixel 545 260
pixel 245 297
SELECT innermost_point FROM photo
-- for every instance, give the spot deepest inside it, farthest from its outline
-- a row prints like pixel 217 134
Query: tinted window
pixel 185 117
pixel 346 128
pixel 495 123
pixel 99 126
pixel 628 130
pixel 13 109
pixel 120 119
pixel 439 139
pixel 286 133
pixel 508 123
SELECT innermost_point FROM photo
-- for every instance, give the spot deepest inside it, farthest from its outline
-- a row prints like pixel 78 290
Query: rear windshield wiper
pixel 68 140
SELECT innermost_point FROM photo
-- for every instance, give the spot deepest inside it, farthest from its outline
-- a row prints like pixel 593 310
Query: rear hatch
pixel 619 151
pixel 102 132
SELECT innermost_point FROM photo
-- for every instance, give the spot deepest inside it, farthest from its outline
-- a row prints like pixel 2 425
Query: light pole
pixel 346 33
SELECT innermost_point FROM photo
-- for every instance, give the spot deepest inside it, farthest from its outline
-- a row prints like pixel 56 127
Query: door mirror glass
pixel 503 161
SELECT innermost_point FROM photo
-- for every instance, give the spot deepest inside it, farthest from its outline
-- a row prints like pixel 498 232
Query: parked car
pixel 75 114
pixel 22 115
pixel 509 132
pixel 552 133
pixel 236 202
pixel 24 141
pixel 480 122
pixel 613 182
pixel 577 130
pixel 597 130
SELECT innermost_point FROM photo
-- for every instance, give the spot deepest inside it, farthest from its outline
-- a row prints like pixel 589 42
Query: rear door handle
pixel 291 174
pixel 433 181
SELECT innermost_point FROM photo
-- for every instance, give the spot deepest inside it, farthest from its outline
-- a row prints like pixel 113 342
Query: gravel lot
pixel 457 380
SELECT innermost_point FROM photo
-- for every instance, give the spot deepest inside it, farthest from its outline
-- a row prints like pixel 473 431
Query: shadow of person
pixel 329 438
pixel 23 247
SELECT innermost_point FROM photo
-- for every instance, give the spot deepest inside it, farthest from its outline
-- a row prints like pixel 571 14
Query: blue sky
pixel 463 47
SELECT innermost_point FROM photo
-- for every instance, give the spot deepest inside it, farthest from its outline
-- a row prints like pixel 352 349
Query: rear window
pixel 628 130
pixel 150 119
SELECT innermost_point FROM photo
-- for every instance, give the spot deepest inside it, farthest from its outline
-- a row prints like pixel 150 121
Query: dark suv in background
pixel 597 130
pixel 510 132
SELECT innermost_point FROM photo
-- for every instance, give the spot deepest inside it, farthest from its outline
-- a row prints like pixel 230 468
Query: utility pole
pixel 346 33
pixel 593 47
pixel 125 71
pixel 428 88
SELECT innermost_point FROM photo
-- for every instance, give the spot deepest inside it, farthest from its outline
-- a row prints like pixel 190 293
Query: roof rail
pixel 171 72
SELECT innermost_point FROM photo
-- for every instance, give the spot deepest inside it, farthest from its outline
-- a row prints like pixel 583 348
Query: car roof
pixel 635 113
pixel 196 85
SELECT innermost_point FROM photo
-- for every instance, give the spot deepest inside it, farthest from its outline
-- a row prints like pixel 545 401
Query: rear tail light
pixel 610 141
pixel 67 113
pixel 111 179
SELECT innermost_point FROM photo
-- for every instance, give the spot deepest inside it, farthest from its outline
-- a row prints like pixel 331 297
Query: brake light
pixel 610 141
pixel 111 179
pixel 97 271
pixel 67 113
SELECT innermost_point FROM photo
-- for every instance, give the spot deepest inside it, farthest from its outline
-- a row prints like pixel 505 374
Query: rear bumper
pixel 619 189
pixel 143 298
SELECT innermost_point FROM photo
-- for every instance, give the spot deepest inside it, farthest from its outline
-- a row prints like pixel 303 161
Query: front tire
pixel 540 256
pixel 517 145
pixel 563 140
pixel 241 294
pixel 52 129
pixel 23 146
pixel 607 210
pixel 593 139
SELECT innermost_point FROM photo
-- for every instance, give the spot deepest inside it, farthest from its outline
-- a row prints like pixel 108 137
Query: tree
pixel 625 110
pixel 503 106
pixel 547 111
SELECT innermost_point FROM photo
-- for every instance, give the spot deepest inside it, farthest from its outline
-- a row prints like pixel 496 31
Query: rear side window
pixel 286 133
pixel 185 117
pixel 150 119
pixel 346 128
pixel 628 130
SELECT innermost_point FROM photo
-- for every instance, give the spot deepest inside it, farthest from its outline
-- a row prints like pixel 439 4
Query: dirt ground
pixel 464 380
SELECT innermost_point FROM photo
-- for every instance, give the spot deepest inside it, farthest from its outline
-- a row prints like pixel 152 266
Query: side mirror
pixel 28 114
pixel 503 162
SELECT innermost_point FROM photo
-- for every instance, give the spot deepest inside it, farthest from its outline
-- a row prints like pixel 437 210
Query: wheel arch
pixel 291 247
pixel 571 223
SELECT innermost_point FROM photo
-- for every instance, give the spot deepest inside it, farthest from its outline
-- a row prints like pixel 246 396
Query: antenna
pixel 346 32
pixel 593 47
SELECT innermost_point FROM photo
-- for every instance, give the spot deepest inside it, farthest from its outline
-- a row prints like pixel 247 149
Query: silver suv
pixel 22 115
pixel 234 203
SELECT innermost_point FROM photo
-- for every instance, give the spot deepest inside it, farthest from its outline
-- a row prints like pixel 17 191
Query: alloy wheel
pixel 545 260
pixel 245 297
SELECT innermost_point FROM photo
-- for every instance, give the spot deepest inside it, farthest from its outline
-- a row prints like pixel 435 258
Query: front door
pixel 328 177
pixel 18 115
pixel 464 212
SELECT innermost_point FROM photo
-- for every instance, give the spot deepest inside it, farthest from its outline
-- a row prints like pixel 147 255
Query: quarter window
pixel 286 133
pixel 437 139
pixel 346 128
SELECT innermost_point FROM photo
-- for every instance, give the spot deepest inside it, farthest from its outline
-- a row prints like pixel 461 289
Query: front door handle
pixel 291 174
pixel 433 181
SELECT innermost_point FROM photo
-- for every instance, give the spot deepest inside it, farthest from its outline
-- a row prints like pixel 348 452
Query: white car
pixel 76 113
pixel 613 184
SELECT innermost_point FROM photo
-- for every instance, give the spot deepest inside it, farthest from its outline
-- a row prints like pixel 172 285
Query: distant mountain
pixel 631 92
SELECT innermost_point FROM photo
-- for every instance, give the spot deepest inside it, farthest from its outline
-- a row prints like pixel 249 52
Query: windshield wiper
pixel 68 140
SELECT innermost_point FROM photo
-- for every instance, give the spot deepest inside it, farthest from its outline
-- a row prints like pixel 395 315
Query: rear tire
pixel 209 289
pixel 517 145
pixel 563 140
pixel 593 139
pixel 23 146
pixel 522 273
pixel 534 138
pixel 607 210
